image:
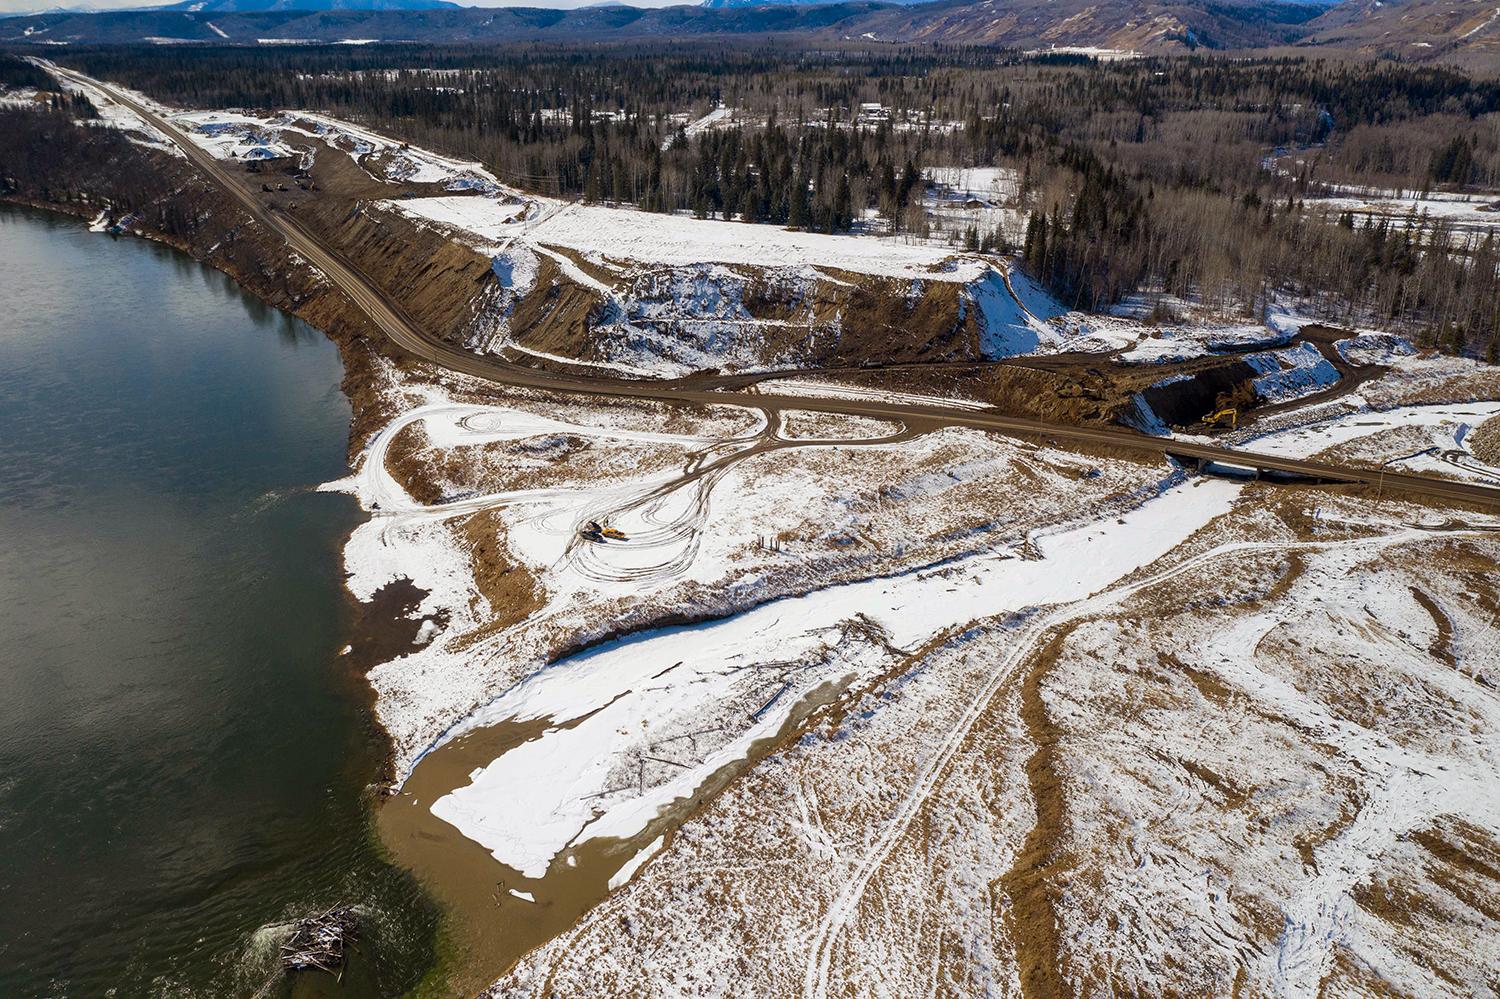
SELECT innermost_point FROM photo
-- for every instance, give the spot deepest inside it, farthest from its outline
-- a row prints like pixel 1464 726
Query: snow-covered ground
pixel 1090 51
pixel 940 593
pixel 1429 440
pixel 561 789
pixel 230 135
pixel 113 114
pixel 19 97
pixel 604 233
pixel 719 117
pixel 1001 185
pixel 1292 373
pixel 1222 801
pixel 1469 216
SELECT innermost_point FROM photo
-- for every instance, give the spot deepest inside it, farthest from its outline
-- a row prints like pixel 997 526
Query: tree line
pixel 1190 175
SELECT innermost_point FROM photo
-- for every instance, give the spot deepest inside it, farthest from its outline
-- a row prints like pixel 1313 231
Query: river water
pixel 183 762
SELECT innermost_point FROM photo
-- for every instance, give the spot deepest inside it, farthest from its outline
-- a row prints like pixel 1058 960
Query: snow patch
pixel 624 874
pixel 531 803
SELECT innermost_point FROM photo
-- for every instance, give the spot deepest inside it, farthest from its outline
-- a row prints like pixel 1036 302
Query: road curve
pixel 410 337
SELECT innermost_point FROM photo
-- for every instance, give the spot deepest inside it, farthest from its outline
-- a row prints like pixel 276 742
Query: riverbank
pixel 169 203
pixel 388 623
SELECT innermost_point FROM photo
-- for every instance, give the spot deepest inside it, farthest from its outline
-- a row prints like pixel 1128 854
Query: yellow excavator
pixel 595 531
pixel 1228 417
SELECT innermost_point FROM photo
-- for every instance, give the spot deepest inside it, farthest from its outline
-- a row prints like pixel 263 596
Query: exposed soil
pixel 1032 880
pixel 837 321
pixel 1442 645
pixel 1465 848
pixel 508 586
pixel 1485 441
pixel 1206 390
pixel 554 317
pixel 1091 388
pixel 406 461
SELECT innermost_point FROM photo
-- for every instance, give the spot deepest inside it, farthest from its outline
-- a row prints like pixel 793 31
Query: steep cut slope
pixel 648 294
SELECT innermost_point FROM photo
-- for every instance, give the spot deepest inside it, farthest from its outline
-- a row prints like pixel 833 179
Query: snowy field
pixel 1470 217
pixel 604 233
pixel 1001 185
pixel 1225 810
pixel 235 135
pixel 942 596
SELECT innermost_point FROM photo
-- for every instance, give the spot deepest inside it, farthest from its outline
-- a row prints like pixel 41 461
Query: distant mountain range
pixel 733 4
pixel 488 25
pixel 1462 31
pixel 1465 33
pixel 257 6
pixel 1129 25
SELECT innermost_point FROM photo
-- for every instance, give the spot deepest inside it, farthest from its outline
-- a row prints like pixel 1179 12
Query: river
pixel 184 764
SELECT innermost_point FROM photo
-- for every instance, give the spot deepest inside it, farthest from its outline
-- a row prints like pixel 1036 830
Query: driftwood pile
pixel 319 942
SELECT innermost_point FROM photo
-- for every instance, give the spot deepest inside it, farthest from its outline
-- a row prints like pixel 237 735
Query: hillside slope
pixel 1147 27
pixel 1175 25
pixel 458 24
pixel 248 6
pixel 1462 31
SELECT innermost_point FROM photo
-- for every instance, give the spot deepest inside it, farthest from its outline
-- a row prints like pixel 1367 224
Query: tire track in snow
pixel 816 977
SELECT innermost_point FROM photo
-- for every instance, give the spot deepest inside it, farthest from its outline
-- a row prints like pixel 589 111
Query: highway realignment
pixel 409 336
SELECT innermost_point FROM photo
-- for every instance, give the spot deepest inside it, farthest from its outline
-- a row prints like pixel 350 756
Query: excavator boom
pixel 1229 417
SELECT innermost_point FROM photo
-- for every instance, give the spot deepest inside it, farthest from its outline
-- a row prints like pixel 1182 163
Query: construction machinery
pixel 597 532
pixel 1229 418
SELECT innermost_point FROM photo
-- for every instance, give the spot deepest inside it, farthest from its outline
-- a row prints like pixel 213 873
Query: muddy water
pixel 183 759
pixel 489 927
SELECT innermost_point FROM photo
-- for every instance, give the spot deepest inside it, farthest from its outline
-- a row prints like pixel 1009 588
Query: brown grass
pixel 1442 645
pixel 512 592
pixel 407 460
pixel 1485 441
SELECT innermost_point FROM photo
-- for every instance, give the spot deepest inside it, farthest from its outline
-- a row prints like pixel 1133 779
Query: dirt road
pixel 410 337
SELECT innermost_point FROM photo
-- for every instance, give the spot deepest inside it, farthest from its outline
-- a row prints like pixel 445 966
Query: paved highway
pixel 409 336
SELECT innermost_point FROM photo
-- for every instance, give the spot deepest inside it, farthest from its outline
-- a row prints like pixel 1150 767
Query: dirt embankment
pixel 1074 388
pixel 48 161
pixel 744 317
pixel 437 281
pixel 1185 402
pixel 1486 441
